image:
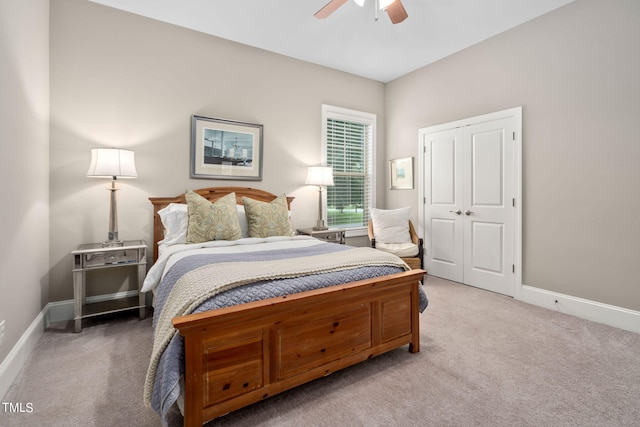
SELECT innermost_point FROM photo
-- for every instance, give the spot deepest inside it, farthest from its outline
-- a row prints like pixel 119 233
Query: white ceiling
pixel 350 39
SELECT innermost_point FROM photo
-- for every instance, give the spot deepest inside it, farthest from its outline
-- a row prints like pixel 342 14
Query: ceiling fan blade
pixel 329 8
pixel 397 12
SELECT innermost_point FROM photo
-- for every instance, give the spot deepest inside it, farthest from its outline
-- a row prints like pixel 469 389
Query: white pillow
pixel 391 226
pixel 242 217
pixel 175 220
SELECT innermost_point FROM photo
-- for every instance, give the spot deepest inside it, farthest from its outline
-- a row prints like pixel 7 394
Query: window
pixel 348 146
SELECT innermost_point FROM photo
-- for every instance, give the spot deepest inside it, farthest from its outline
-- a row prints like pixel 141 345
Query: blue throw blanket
pixel 171 364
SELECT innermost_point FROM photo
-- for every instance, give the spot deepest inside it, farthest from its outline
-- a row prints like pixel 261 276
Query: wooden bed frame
pixel 239 355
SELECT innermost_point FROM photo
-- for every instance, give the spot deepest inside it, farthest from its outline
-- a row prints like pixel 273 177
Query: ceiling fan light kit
pixel 394 9
pixel 385 3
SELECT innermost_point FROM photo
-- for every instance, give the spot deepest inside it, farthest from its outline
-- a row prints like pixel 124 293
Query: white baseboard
pixel 611 315
pixel 64 310
pixel 12 364
pixel 53 312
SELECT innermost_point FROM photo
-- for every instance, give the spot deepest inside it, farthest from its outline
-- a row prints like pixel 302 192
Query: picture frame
pixel 401 173
pixel 225 149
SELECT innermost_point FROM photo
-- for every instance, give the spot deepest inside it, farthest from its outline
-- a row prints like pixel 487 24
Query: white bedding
pixel 172 254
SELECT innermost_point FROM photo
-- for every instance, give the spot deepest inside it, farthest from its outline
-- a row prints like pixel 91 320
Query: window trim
pixel 340 113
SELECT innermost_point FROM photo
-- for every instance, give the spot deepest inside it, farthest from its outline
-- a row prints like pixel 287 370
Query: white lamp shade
pixel 359 2
pixel 320 175
pixel 112 162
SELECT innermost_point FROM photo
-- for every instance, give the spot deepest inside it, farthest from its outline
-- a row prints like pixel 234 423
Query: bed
pixel 239 353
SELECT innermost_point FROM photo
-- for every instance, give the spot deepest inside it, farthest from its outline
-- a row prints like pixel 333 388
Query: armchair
pixel 412 253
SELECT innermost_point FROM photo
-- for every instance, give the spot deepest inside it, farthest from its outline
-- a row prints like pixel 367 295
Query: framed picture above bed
pixel 225 149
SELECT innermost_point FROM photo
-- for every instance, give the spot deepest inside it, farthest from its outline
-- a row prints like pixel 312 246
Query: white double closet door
pixel 470 192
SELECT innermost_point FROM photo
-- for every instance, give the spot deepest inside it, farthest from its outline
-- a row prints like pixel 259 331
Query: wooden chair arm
pixel 414 236
pixel 370 233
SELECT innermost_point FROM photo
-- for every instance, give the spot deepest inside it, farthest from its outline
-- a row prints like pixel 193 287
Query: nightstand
pixel 95 256
pixel 333 235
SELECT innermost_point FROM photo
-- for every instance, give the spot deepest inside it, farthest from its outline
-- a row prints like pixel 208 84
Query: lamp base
pixel 320 225
pixel 320 222
pixel 112 243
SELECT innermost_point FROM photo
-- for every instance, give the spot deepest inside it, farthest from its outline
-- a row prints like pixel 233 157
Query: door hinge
pixel 513 202
pixel 514 136
pixel 513 268
pixel 424 200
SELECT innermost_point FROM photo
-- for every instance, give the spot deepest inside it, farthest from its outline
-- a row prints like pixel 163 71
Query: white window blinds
pixel 349 150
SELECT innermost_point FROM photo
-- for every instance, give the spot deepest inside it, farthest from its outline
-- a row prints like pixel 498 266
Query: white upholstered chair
pixel 392 231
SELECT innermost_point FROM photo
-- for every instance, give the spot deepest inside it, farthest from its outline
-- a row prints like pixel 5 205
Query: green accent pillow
pixel 212 220
pixel 268 219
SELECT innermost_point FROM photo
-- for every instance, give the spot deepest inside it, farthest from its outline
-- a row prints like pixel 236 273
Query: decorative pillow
pixel 268 219
pixel 175 220
pixel 391 226
pixel 212 221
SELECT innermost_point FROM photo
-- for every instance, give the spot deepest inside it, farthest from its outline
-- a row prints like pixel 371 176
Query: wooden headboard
pixel 212 194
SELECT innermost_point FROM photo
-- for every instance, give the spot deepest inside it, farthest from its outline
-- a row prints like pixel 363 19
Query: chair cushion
pixel 402 250
pixel 391 225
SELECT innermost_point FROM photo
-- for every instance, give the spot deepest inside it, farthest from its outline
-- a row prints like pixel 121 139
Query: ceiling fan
pixel 394 9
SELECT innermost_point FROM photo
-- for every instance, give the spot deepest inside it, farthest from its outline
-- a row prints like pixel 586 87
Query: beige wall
pixel 24 165
pixel 118 79
pixel 576 72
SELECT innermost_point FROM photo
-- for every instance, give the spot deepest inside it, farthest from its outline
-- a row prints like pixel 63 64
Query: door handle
pixel 468 212
pixel 458 212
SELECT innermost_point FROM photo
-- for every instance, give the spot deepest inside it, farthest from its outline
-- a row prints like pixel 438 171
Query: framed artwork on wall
pixel 225 149
pixel 401 173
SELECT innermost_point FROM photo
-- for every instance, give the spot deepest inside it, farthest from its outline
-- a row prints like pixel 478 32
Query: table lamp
pixel 321 176
pixel 112 163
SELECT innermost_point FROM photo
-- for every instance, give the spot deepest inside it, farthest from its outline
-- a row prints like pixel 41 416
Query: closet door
pixel 469 198
pixel 488 211
pixel 444 198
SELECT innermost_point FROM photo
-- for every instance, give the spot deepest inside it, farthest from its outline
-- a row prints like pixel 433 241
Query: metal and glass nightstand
pixel 95 256
pixel 333 235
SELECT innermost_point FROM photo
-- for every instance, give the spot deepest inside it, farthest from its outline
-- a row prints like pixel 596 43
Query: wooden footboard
pixel 239 355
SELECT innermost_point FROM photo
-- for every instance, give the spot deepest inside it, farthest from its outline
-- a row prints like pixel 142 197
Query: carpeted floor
pixel 485 360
